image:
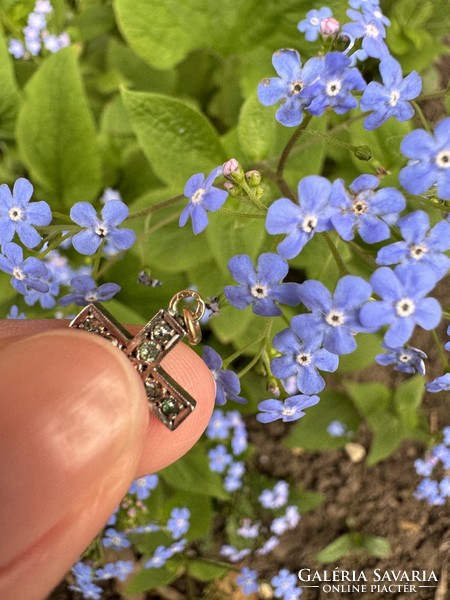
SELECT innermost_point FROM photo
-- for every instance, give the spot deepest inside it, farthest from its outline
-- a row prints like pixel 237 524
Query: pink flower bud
pixel 329 27
pixel 231 166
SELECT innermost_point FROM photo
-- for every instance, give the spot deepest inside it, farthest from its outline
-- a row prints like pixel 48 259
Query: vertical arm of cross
pixel 168 400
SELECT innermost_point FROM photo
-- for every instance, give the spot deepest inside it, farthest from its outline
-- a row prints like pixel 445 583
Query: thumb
pixel 74 424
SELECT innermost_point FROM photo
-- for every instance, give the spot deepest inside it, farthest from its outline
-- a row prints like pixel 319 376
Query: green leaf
pixel 148 579
pixel 206 571
pixel 94 21
pixel 376 545
pixel 408 396
pixel 369 398
pixel 387 435
pixel 256 129
pixel 164 32
pixel 56 133
pixel 177 140
pixel 228 236
pixel 363 356
pixel 152 29
pixel 336 550
pixel 308 160
pixel 191 473
pixel 9 96
pixel 136 71
pixel 305 500
pixel 176 248
pixel 384 143
pixel 311 432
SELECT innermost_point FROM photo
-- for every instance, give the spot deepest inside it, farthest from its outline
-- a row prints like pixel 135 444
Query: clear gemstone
pixel 169 407
pixel 162 332
pixel 153 388
pixel 147 351
pixel 90 325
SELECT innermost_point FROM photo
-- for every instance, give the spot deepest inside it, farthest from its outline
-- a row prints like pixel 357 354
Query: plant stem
pixel 335 252
pixel 239 352
pixel 56 243
pixel 236 213
pixel 291 143
pixel 438 345
pixel 257 356
pixel 97 259
pixel 155 207
pixel 440 205
pixel 421 116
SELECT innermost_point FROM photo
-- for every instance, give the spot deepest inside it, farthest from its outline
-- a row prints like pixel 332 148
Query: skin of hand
pixel 75 432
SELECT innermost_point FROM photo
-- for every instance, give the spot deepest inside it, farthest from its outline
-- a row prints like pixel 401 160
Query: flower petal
pixel 242 270
pixel 351 291
pixel 114 212
pixel 400 331
pixel 84 214
pixel 309 381
pixel 86 242
pixel 22 191
pixel 428 313
pixel 315 295
pixel 271 268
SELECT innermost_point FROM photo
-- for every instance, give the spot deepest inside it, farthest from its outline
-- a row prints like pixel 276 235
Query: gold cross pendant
pixel 167 399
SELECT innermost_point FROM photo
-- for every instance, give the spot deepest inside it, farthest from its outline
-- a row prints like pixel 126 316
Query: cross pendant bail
pixel 167 399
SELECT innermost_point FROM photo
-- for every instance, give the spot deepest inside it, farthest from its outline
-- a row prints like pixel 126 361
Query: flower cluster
pixel 36 35
pixel 435 490
pixel 228 428
pixel 261 537
pixel 39 280
pixel 327 82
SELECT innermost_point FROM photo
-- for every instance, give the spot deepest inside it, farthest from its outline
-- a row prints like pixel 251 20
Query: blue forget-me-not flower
pixel 440 384
pixel 301 221
pixel 288 86
pixel 219 459
pixel 28 274
pixel 371 30
pixel 228 385
pixel 19 215
pixel 406 359
pixel 310 25
pixel 115 539
pixel 86 291
pixel 333 87
pixel 289 410
pixel 159 558
pixel 334 319
pixel 421 244
pixel 390 99
pixel 120 570
pixel 203 196
pixel 247 581
pixel 261 288
pixel 143 486
pixel 302 358
pixel 403 304
pixel 365 210
pixel 285 583
pixel 178 523
pixel 429 162
pixel 98 230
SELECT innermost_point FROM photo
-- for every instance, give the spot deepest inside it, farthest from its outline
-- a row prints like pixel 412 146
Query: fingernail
pixel 74 418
